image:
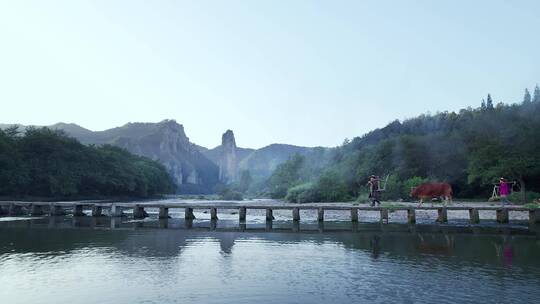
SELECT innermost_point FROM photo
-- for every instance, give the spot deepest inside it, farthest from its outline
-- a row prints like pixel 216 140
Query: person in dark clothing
pixel 374 190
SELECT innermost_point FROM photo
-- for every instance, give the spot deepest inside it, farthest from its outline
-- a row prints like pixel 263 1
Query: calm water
pixel 88 260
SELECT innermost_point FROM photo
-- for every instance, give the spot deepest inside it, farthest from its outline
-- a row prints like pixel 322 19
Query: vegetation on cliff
pixel 470 149
pixel 47 163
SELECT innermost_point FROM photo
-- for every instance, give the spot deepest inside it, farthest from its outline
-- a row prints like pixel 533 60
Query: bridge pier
pixel 188 214
pixel 242 214
pixel 268 226
pixel 56 210
pixel 163 223
pixel 384 215
pixel 442 215
pixel 15 210
pixel 502 215
pixel 36 210
pixel 163 212
pixel 116 211
pixel 296 214
pixel 213 214
pixel 296 226
pixel 411 216
pixel 138 212
pixel 269 214
pixel 97 211
pixel 320 214
pixel 354 214
pixel 78 210
pixel 534 216
pixel 474 216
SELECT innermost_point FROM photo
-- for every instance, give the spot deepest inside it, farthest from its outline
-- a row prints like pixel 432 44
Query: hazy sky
pixel 299 72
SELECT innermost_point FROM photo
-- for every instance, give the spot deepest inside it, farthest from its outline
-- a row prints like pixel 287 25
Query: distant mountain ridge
pixel 195 169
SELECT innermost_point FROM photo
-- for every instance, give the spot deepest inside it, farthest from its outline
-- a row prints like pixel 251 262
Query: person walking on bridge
pixel 504 191
pixel 374 193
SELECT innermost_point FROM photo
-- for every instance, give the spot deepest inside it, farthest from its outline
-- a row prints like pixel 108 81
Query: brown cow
pixel 431 190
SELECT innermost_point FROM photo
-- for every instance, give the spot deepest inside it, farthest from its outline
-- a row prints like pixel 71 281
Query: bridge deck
pixel 115 209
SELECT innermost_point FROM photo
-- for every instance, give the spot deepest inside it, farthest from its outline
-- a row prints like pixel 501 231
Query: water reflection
pixel 173 260
pixel 167 237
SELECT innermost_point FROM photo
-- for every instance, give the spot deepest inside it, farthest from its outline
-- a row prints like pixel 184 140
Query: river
pixel 104 260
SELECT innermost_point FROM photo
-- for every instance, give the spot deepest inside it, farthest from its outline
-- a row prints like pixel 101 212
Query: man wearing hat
pixel 374 193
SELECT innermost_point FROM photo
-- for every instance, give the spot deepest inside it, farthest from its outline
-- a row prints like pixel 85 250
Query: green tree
pixel 285 176
pixel 489 102
pixel 536 94
pixel 245 181
pixel 527 97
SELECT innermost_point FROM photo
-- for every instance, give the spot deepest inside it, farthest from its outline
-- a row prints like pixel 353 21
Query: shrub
pixel 410 183
pixel 231 195
pixel 530 197
pixel 393 188
pixel 296 193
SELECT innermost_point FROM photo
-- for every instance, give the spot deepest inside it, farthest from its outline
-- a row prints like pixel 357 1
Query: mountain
pixel 262 162
pixel 259 162
pixel 164 141
pixel 195 169
pixel 470 149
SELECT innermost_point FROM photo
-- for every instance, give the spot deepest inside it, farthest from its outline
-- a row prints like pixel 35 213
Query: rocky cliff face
pixel 232 160
pixel 195 169
pixel 228 163
pixel 166 142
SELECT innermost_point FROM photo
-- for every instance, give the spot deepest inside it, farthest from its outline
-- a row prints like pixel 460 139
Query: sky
pixel 308 73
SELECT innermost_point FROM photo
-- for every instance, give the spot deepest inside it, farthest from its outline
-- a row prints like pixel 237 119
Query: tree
pixel 245 181
pixel 47 163
pixel 536 94
pixel 527 97
pixel 285 176
pixel 489 103
pixel 483 105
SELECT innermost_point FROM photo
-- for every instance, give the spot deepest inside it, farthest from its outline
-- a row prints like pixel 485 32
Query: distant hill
pixel 195 169
pixel 165 141
pixel 470 149
pixel 259 162
pixel 262 162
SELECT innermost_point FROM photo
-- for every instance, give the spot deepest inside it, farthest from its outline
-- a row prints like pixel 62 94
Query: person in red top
pixel 504 191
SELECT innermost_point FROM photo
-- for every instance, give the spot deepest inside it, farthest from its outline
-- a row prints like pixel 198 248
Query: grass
pixel 532 205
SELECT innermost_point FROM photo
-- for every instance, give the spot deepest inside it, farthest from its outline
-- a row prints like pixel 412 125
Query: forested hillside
pixel 46 163
pixel 470 149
